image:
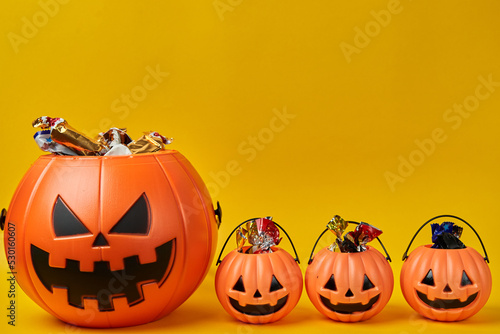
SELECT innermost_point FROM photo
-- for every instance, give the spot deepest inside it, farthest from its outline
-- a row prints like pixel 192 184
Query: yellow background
pixel 232 65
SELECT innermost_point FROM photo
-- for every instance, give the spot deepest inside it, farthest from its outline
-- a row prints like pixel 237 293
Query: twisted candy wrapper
pixel 354 241
pixel 261 233
pixel 63 134
pixel 447 236
pixel 58 137
pixel 337 225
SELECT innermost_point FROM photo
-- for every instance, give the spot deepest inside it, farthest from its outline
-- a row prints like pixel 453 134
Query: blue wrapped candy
pixel 447 236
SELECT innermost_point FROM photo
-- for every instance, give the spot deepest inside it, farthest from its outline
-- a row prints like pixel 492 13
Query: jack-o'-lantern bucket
pixel 111 241
pixel 259 287
pixel 446 283
pixel 349 286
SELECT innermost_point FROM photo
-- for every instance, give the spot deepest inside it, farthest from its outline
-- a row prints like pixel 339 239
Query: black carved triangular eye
pixel 135 220
pixel 239 285
pixel 465 279
pixel 428 279
pixel 65 222
pixel 275 285
pixel 367 284
pixel 330 285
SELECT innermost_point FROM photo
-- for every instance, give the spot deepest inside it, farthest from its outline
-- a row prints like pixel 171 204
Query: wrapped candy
pixel 446 236
pixel 159 138
pixel 354 241
pixel 337 225
pixel 63 134
pixel 145 144
pixel 56 136
pixel 261 233
pixel 45 142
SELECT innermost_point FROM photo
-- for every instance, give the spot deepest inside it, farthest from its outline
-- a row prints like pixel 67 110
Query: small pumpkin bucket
pixel 349 287
pixel 446 284
pixel 258 288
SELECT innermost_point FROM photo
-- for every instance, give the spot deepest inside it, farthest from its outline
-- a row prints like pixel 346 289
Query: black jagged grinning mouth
pixel 104 284
pixel 258 309
pixel 349 308
pixel 446 304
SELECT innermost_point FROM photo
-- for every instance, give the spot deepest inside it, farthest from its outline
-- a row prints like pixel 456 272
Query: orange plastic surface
pixel 256 272
pixel 448 267
pixel 349 270
pixel 99 190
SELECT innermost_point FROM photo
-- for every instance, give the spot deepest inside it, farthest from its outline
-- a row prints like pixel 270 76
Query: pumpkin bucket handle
pixel 405 255
pixel 2 219
pixel 388 257
pixel 246 221
pixel 218 215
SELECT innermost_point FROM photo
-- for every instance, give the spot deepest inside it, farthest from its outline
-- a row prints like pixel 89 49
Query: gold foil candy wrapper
pixel 241 237
pixel 56 136
pixel 243 233
pixel 62 133
pixel 145 144
pixel 159 138
pixel 337 225
pixel 114 142
pixel 114 136
pixel 261 233
pixel 354 241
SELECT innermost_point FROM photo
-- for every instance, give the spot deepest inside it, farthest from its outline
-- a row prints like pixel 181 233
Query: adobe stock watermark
pixel 453 117
pixel 10 251
pixel 243 329
pixel 417 323
pixel 131 100
pixel 249 149
pixel 31 25
pixel 363 36
pixel 223 6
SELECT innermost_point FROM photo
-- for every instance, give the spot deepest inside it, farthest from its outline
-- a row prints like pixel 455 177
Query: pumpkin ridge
pixel 99 226
pixel 184 228
pixel 200 196
pixel 372 254
pixel 210 249
pixel 27 209
pixel 476 268
pixel 324 259
pixel 462 265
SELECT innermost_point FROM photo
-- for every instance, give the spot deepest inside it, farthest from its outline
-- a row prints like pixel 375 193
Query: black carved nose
pixel 100 241
pixel 349 293
pixel 257 294
pixel 447 288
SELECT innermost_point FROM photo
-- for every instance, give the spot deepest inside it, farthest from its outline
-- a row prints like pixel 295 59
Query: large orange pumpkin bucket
pixel 258 288
pixel 446 284
pixel 111 241
pixel 349 287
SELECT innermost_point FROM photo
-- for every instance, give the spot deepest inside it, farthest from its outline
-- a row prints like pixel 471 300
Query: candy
pixel 354 241
pixel 58 137
pixel 159 138
pixel 446 236
pixel 261 233
pixel 43 140
pixel 145 144
pixel 112 138
pixel 337 225
pixel 63 134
